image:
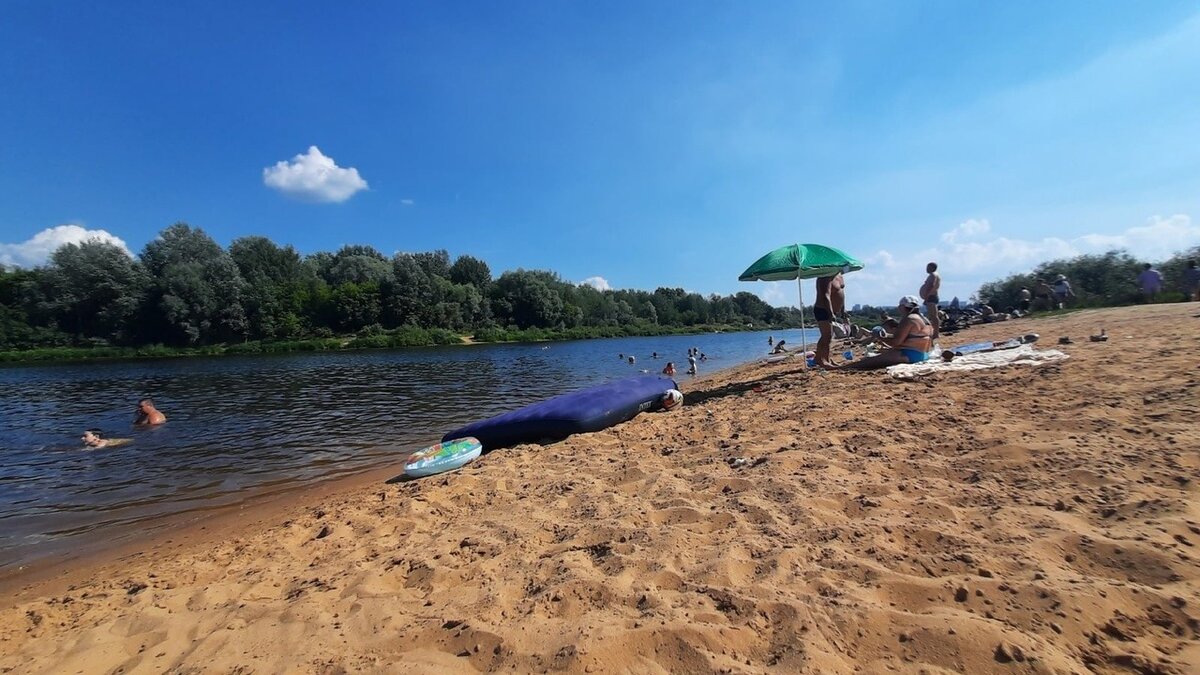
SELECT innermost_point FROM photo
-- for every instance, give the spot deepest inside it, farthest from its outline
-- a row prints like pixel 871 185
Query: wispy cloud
pixel 313 177
pixel 37 249
pixel 407 202
pixel 776 293
pixel 598 283
pixel 973 253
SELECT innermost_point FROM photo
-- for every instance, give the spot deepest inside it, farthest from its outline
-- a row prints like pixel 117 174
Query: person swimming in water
pixel 910 343
pixel 147 414
pixel 670 369
pixel 94 438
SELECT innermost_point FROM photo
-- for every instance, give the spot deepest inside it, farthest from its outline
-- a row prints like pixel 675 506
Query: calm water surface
pixel 239 426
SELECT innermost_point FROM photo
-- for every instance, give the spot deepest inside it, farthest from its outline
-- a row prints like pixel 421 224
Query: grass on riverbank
pixel 407 336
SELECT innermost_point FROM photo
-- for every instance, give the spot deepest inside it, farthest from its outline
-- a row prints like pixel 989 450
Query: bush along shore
pixel 408 336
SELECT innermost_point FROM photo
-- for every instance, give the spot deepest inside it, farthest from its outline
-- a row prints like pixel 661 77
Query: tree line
pixel 1100 280
pixel 185 290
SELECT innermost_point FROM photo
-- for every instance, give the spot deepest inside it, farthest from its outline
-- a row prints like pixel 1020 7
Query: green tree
pixel 196 289
pixel 94 290
pixel 434 263
pixel 356 306
pixel 471 270
pixel 525 299
pixel 408 295
pixel 358 265
pixel 273 277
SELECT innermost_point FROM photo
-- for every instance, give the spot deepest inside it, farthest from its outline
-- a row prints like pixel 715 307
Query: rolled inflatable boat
pixel 583 411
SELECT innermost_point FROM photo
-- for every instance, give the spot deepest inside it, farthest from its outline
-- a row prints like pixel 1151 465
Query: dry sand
pixel 1016 520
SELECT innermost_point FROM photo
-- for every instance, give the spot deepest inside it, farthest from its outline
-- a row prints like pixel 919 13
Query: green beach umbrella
pixel 800 261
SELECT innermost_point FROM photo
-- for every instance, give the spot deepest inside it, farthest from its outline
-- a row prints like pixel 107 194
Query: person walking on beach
pixel 1043 295
pixel 1191 281
pixel 929 295
pixel 1151 282
pixel 147 414
pixel 831 295
pixel 1062 291
pixel 1025 300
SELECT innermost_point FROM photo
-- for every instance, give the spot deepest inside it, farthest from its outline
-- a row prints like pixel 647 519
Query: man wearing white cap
pixel 910 343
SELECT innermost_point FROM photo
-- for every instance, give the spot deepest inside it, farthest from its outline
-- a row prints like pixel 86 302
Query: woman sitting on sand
pixel 911 343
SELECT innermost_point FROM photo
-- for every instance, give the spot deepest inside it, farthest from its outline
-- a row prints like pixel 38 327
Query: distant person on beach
pixel 770 340
pixel 830 295
pixel 691 364
pixel 1042 295
pixel 1151 282
pixel 929 294
pixel 94 438
pixel 1026 300
pixel 1062 291
pixel 147 414
pixel 1191 281
pixel 669 370
pixel 780 348
pixel 911 343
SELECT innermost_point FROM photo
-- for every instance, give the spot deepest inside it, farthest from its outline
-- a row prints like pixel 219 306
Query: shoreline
pixel 345 343
pixel 1040 519
pixel 192 526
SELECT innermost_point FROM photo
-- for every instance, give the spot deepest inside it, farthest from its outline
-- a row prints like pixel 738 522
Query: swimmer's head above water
pixel 92 438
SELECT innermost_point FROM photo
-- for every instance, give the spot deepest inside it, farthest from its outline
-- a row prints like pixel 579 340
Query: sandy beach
pixel 1040 520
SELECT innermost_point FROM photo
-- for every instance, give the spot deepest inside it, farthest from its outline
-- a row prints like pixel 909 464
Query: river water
pixel 240 426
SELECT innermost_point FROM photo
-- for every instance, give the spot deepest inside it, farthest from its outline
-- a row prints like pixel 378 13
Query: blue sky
pixel 636 144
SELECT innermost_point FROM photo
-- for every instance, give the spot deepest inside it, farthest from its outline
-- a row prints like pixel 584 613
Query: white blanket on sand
pixel 1025 355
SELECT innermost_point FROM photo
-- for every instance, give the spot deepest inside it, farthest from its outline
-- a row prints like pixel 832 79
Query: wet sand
pixel 1014 520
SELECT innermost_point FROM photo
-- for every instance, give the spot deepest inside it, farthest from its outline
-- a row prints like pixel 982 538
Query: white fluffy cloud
pixel 1159 238
pixel 967 229
pixel 37 249
pixel 313 177
pixel 598 283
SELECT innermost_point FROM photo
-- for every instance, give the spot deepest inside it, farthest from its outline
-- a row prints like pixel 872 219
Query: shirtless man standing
pixel 147 414
pixel 831 300
pixel 929 293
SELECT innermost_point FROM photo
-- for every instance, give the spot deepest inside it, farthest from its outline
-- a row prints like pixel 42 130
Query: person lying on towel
pixel 910 343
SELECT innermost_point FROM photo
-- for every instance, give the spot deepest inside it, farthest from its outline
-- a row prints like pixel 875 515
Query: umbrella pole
pixel 803 330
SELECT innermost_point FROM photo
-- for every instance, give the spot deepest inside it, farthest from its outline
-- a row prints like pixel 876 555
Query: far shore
pixel 396 339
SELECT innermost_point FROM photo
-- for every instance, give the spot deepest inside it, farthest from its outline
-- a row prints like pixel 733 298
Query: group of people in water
pixel 146 415
pixel 694 356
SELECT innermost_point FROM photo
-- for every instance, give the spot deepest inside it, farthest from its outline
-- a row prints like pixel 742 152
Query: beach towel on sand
pixel 1025 355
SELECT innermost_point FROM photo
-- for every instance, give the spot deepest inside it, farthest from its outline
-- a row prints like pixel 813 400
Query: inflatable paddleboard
pixel 980 347
pixel 591 409
pixel 444 456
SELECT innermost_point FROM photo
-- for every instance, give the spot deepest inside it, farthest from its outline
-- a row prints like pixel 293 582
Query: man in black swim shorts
pixel 831 295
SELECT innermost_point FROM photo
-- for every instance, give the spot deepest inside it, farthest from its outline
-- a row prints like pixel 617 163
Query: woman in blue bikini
pixel 911 343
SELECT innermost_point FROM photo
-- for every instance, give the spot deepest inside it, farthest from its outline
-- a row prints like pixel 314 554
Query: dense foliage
pixel 1103 280
pixel 186 292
